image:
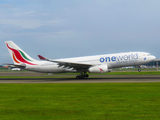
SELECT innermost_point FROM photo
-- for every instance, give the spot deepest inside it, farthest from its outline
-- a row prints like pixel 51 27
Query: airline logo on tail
pixel 19 57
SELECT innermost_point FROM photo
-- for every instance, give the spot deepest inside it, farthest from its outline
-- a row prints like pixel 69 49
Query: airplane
pixel 16 69
pixel 83 65
pixel 12 67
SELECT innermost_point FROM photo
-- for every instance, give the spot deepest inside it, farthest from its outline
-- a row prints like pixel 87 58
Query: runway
pixel 92 79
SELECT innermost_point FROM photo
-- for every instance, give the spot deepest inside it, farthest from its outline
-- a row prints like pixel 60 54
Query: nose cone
pixel 150 58
pixel 153 57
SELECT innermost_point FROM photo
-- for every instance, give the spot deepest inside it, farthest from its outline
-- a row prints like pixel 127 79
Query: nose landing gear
pixel 139 70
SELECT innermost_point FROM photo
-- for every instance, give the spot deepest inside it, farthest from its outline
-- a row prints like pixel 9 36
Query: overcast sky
pixel 72 28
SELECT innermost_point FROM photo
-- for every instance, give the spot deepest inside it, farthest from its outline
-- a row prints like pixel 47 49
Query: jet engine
pixel 98 69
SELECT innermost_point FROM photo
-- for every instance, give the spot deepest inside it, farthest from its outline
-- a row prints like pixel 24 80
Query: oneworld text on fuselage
pixel 119 58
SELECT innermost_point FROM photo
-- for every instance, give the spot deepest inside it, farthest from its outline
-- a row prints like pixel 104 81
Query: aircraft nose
pixel 154 57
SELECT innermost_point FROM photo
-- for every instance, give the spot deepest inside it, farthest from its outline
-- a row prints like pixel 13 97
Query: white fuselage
pixel 111 60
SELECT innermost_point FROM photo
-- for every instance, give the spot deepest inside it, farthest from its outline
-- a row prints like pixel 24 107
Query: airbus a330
pixel 83 65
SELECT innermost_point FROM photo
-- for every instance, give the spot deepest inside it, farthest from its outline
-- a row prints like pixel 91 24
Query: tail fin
pixel 18 55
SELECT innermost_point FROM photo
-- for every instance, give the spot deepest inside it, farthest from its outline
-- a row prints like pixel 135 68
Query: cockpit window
pixel 148 54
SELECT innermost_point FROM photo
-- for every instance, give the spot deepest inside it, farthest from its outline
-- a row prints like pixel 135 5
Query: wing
pixel 74 65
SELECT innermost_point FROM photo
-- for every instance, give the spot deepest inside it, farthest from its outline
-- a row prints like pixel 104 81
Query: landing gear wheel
pixel 139 70
pixel 78 77
pixel 82 76
pixel 86 76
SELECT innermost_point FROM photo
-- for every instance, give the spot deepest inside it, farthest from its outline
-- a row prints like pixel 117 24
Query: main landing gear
pixel 82 76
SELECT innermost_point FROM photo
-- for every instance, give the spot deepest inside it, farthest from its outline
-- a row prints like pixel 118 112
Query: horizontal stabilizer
pixel 15 65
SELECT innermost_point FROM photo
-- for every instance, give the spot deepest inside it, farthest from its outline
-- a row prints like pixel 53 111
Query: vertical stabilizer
pixel 18 55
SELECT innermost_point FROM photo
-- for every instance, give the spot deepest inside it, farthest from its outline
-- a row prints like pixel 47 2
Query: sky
pixel 72 28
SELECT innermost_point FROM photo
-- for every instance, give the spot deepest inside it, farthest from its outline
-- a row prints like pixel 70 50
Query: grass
pixel 135 73
pixel 80 101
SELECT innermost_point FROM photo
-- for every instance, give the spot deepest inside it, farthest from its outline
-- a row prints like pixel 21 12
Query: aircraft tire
pixel 78 77
pixel 86 76
pixel 82 76
pixel 139 70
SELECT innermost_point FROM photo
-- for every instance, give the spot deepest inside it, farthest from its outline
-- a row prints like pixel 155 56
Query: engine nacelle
pixel 98 69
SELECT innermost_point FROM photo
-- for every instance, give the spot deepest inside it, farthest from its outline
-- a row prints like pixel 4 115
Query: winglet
pixel 41 57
